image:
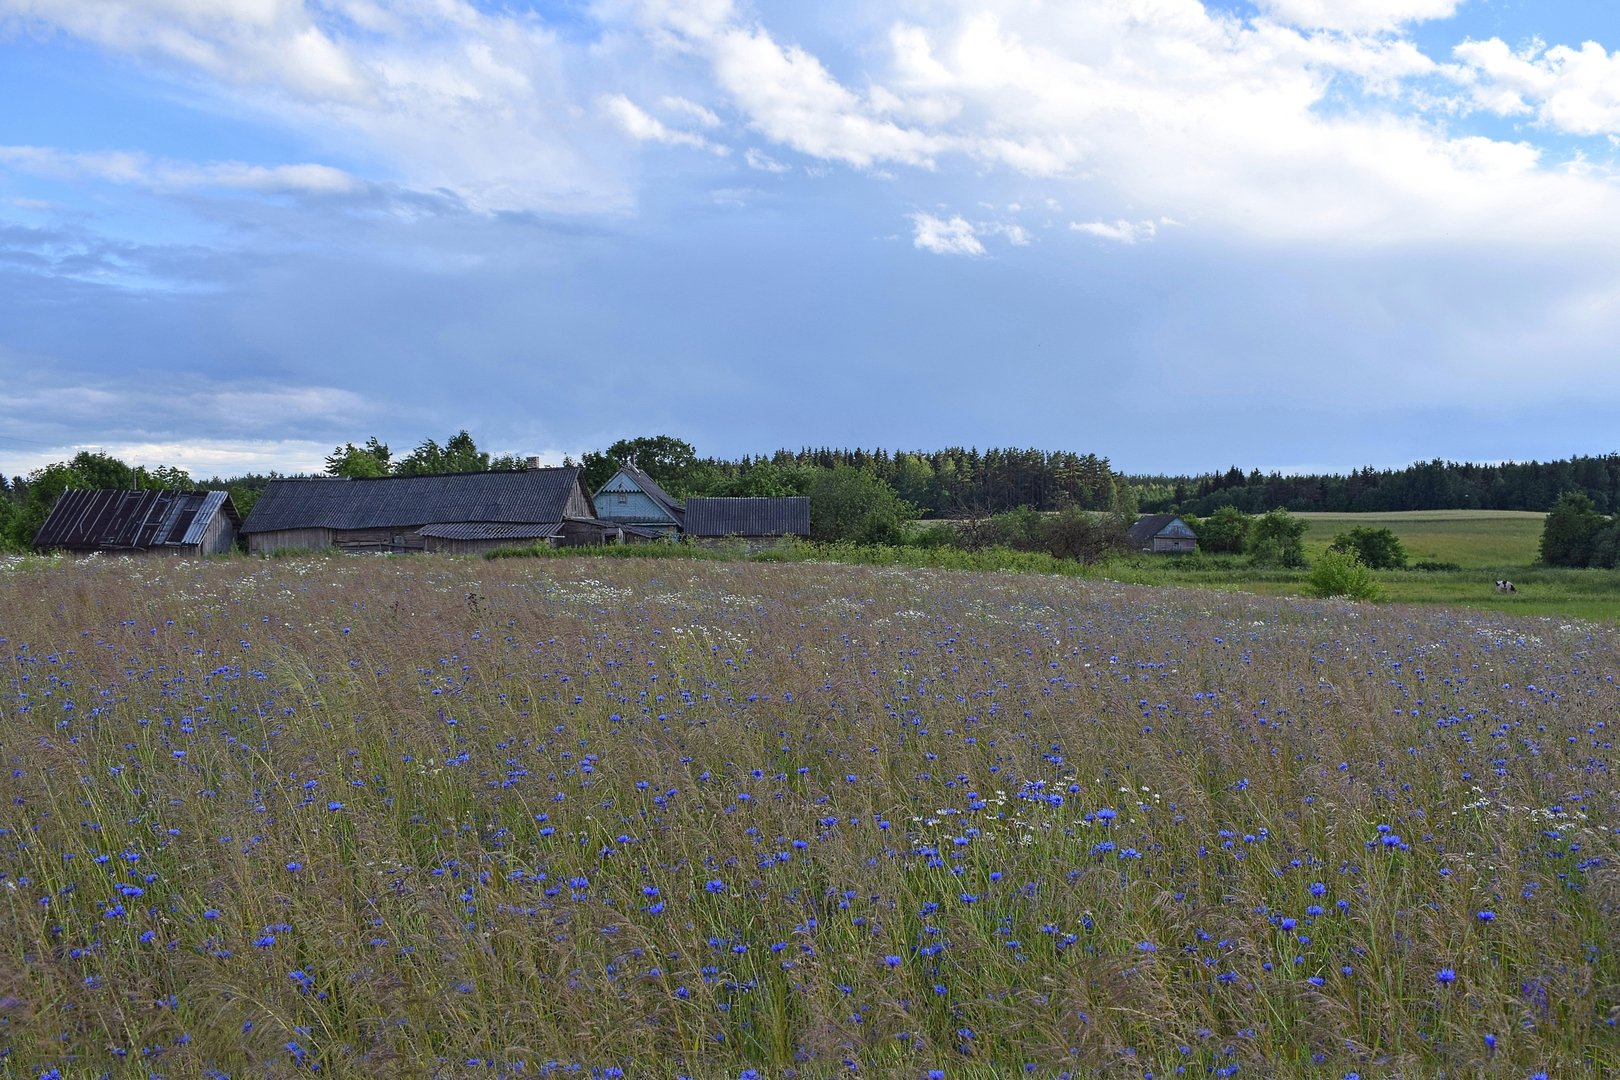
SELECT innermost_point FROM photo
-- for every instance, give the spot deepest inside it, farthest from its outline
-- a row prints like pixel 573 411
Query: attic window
pixel 623 498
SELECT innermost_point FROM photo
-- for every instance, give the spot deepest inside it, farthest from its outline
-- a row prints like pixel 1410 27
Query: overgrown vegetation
pixel 1376 548
pixel 1340 572
pixel 419 816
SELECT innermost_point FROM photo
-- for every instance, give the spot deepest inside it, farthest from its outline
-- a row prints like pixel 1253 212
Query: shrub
pixel 1571 526
pixel 1226 530
pixel 1379 549
pixel 1276 538
pixel 1341 573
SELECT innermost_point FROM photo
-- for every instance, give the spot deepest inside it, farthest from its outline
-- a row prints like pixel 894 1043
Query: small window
pixel 623 498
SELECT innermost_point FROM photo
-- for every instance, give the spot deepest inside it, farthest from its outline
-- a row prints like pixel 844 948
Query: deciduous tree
pixel 1570 527
pixel 1276 538
pixel 1378 549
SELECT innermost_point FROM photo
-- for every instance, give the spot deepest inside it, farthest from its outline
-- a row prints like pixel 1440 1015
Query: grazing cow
pixel 1504 585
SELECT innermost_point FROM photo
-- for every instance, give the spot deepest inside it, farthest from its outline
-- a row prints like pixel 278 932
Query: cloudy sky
pixel 1294 234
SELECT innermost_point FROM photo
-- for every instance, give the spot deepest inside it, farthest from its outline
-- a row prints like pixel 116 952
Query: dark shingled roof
pixel 132 520
pixel 528 497
pixel 785 516
pixel 1148 526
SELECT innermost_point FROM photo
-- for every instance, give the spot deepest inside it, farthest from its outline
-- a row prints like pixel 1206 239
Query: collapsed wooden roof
pixel 105 520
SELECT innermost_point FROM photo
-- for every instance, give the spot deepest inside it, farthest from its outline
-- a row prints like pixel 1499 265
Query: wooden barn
pixel 755 520
pixel 461 513
pixel 633 498
pixel 141 522
pixel 1162 533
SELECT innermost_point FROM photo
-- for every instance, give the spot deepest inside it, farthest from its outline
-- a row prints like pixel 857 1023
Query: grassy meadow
pixel 1473 539
pixel 430 816
pixel 1484 545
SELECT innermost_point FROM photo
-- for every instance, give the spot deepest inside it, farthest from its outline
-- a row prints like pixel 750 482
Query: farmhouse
pixel 751 519
pixel 632 498
pixel 1162 532
pixel 463 512
pixel 141 522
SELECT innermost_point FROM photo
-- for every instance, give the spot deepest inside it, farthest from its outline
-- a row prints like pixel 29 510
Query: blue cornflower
pixel 892 960
pixel 714 885
pixel 1445 975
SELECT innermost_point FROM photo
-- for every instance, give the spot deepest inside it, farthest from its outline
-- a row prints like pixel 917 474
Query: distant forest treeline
pixel 954 482
pixel 1428 485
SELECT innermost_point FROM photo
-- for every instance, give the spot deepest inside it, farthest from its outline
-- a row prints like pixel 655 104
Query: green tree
pixel 100 472
pixel 459 455
pixel 914 481
pixel 1605 553
pixel 1340 572
pixel 849 503
pixel 765 479
pixel 1085 536
pixel 596 469
pixel 1378 549
pixel 670 461
pixel 360 462
pixel 163 478
pixel 1276 538
pixel 1570 527
pixel 86 469
pixel 1226 530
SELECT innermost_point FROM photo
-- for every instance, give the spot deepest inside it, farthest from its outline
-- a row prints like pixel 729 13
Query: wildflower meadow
pixel 430 816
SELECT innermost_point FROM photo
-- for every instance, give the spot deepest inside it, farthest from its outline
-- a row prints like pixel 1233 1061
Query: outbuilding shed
pixel 1162 533
pixel 758 518
pixel 141 522
pixel 462 512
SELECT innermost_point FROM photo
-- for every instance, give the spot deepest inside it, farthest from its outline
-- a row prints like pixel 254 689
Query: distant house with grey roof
pixel 141 522
pixel 1162 533
pixel 634 499
pixel 752 519
pixel 462 512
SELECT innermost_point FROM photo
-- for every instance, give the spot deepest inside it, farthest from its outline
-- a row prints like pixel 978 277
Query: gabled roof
pixel 132 520
pixel 759 516
pixel 1150 525
pixel 666 502
pixel 526 497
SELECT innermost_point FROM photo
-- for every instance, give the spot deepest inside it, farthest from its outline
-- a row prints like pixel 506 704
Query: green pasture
pixel 1484 544
pixel 1473 539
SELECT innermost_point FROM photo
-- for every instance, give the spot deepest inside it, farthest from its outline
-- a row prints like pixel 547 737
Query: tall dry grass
pixel 449 817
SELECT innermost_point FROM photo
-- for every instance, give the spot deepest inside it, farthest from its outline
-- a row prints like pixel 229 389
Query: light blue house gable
pixel 633 498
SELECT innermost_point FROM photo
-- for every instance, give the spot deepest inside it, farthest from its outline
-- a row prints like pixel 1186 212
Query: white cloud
pixel 1357 14
pixel 636 123
pixel 1124 232
pixel 942 236
pixel 442 94
pixel 1573 90
pixel 703 116
pixel 759 159
pixel 1314 121
pixel 124 167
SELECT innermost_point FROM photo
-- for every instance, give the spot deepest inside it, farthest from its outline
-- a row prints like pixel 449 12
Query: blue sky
pixel 1292 234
